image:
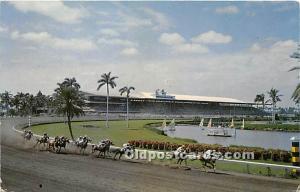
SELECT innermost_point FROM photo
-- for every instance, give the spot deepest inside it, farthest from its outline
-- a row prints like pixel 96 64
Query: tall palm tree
pixel 69 102
pixel 109 81
pixel 127 91
pixel 260 98
pixel 274 98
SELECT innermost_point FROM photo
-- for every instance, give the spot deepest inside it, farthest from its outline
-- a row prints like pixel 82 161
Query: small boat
pixel 201 124
pixel 218 131
pixel 164 125
pixel 171 126
pixel 209 123
pixel 231 124
pixel 243 124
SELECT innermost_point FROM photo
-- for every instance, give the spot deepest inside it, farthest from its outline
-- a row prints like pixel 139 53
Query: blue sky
pixel 230 49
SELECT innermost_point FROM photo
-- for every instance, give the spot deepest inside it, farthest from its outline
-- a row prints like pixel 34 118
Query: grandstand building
pixel 160 103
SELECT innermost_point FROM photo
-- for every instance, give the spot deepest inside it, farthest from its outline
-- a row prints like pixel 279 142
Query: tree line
pixel 67 100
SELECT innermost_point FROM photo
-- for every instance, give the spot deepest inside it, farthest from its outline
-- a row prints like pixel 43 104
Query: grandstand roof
pixel 191 97
pixel 180 97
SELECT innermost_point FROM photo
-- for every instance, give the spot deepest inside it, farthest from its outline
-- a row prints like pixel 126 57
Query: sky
pixel 225 49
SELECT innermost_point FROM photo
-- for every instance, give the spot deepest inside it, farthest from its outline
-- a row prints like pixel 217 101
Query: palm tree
pixel 260 98
pixel 127 91
pixel 71 82
pixel 109 81
pixel 274 98
pixel 69 102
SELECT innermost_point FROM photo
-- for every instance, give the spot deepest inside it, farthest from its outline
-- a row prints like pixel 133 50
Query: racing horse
pixel 127 148
pixel 43 140
pixel 102 147
pixel 82 144
pixel 209 158
pixel 180 154
pixel 51 143
pixel 27 135
pixel 61 142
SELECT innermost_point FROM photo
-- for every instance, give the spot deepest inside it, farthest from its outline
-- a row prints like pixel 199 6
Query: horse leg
pixel 115 155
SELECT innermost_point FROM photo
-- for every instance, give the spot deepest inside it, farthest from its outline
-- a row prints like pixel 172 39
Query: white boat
pixel 218 131
pixel 201 124
pixel 171 126
pixel 164 125
pixel 243 124
pixel 209 123
pixel 231 124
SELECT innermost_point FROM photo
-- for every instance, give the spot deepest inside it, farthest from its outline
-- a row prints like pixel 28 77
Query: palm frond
pixel 294 68
pixel 100 85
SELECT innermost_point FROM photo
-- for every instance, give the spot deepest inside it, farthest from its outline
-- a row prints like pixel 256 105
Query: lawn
pixel 117 131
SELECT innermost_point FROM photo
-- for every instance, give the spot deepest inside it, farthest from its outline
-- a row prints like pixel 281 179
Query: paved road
pixel 26 169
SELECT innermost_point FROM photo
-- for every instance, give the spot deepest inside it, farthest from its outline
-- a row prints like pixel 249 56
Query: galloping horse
pixel 102 147
pixel 61 143
pixel 27 135
pixel 180 154
pixel 51 143
pixel 209 158
pixel 127 148
pixel 43 140
pixel 83 144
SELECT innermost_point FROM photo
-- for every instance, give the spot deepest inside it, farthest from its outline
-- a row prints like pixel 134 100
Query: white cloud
pixel 159 18
pixel 56 10
pixel 255 47
pixel 46 39
pixel 179 44
pixel 127 18
pixel 129 21
pixel 109 32
pixel 3 29
pixel 116 41
pixel 129 51
pixel 191 48
pixel 171 39
pixel 212 37
pixel 231 9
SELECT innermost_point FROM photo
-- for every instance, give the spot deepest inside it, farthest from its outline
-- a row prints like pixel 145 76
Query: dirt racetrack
pixel 27 169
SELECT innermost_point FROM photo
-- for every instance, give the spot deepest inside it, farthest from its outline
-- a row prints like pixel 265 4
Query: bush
pixel 259 153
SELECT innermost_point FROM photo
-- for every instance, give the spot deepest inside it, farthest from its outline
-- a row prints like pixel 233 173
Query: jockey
pixel 78 139
pixel 179 150
pixel 45 137
pixel 82 140
pixel 209 154
pixel 125 145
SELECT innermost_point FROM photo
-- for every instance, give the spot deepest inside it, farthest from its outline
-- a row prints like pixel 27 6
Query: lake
pixel 264 139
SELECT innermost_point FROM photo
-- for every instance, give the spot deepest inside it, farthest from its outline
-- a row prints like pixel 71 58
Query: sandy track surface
pixel 27 169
